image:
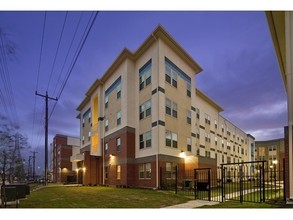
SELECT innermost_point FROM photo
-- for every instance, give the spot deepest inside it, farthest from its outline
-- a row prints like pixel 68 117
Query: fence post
pixel 176 179
pixel 223 181
pixel 160 178
pixel 241 183
pixel 284 179
pixel 209 184
pixel 263 181
pixel 195 184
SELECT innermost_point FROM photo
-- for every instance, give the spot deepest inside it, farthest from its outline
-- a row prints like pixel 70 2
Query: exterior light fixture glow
pixel 275 161
pixel 182 154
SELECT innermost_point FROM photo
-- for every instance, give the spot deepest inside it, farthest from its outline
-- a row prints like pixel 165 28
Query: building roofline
pixel 158 32
pixel 273 140
pixel 208 100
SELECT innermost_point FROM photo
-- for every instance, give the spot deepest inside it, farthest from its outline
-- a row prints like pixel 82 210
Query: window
pixel 197 113
pixel 106 148
pixel 171 76
pixel 141 111
pixel 148 170
pixel 106 125
pixel 106 172
pixel 216 141
pixel 145 140
pixel 106 101
pixel 222 143
pixel 118 118
pixel 168 74
pixel 174 79
pixel 207 137
pixel 197 152
pixel 118 144
pixel 141 141
pixel 168 169
pixel 174 140
pixel 141 171
pixel 148 139
pixel 188 117
pixel 145 109
pixel 228 159
pixel 168 106
pixel 208 154
pixel 223 159
pixel 168 138
pixel 174 110
pixel 89 117
pixel 207 119
pixel 222 128
pixel 188 89
pixel 83 122
pixel 145 75
pixel 141 82
pixel 148 77
pixel 216 124
pixel 83 139
pixel 118 172
pixel 118 91
pixel 145 171
pixel 89 137
pixel 148 108
pixel 188 144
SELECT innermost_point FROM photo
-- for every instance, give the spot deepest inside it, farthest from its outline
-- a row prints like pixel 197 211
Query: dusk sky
pixel 234 49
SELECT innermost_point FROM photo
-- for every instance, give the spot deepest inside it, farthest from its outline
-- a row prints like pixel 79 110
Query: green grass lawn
pixel 100 197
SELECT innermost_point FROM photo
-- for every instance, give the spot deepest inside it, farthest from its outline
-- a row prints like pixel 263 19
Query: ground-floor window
pixel 118 172
pixel 145 171
pixel 170 169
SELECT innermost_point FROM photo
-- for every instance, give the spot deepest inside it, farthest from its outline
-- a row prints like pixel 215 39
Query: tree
pixel 11 161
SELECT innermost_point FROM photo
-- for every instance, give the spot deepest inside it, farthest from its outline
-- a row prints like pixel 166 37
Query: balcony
pixel 76 158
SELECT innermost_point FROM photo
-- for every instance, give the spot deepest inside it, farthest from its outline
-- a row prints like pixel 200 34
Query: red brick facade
pixel 62 167
pixel 123 158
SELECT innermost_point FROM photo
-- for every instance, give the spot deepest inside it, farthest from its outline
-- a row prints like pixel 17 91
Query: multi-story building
pixel 62 149
pixel 144 116
pixel 272 151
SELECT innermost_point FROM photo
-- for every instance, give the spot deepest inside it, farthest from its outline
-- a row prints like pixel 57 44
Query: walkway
pixel 192 204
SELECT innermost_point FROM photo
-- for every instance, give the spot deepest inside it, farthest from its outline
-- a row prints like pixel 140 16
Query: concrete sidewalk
pixel 193 204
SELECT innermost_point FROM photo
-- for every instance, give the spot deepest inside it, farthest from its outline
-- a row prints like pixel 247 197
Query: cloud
pixel 267 134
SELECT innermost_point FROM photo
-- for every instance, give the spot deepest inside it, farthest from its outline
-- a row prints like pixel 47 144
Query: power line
pixel 57 51
pixel 75 59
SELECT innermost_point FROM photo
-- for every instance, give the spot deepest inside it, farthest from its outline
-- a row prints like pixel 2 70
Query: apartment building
pixel 272 151
pixel 62 148
pixel 145 116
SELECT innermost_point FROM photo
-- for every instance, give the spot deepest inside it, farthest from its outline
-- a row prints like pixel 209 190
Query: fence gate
pixel 202 183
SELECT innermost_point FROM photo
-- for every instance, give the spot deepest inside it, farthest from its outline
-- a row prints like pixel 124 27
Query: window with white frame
pixel 216 141
pixel 145 109
pixel 141 171
pixel 197 113
pixel 145 75
pixel 148 171
pixel 174 140
pixel 118 89
pixel 168 106
pixel 106 125
pixel 207 119
pixel 118 144
pixel 106 148
pixel 207 137
pixel 174 110
pixel 145 140
pixel 188 89
pixel 216 124
pixel 168 138
pixel 188 117
pixel 188 141
pixel 171 76
pixel 89 137
pixel 118 172
pixel 118 118
pixel 106 101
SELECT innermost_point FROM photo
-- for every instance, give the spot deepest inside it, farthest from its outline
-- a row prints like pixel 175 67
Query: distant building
pixel 144 116
pixel 272 151
pixel 62 148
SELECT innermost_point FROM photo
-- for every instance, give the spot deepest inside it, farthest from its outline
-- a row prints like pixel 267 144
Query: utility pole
pixel 46 133
pixel 34 164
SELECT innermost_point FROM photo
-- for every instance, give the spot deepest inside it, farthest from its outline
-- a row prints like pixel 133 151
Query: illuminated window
pixel 148 171
pixel 118 172
pixel 141 171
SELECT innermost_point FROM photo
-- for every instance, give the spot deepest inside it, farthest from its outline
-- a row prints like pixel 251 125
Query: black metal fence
pixel 257 181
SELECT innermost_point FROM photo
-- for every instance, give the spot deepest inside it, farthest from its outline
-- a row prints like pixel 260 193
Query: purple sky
pixel 235 50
